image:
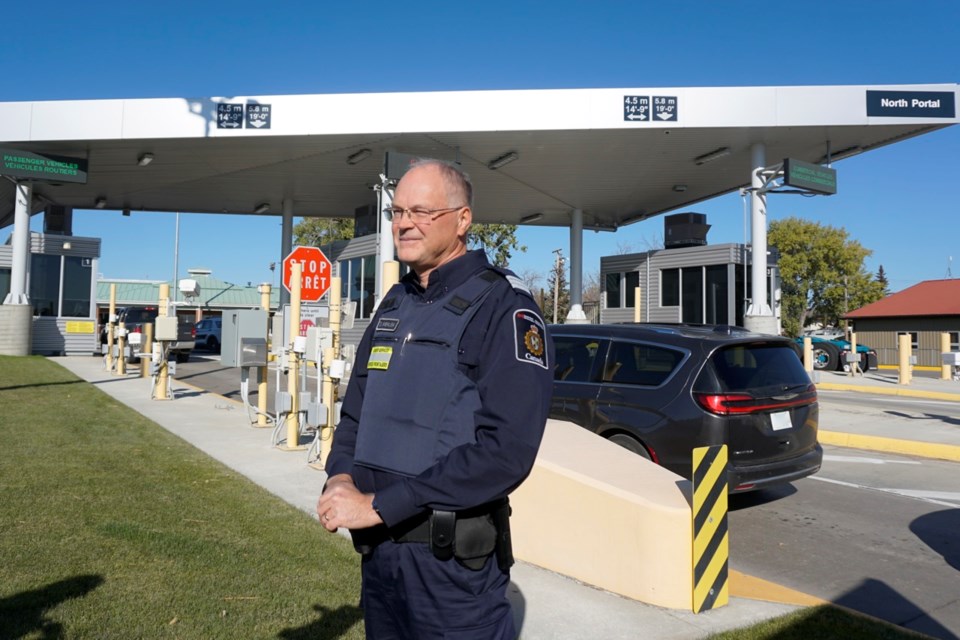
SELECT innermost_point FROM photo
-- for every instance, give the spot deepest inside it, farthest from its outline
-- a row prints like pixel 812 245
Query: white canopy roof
pixel 597 150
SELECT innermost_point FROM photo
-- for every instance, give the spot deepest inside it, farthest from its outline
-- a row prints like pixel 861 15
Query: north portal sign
pixel 37 166
pixel 314 275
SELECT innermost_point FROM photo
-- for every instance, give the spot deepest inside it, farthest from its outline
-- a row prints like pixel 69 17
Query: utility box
pixel 951 359
pixel 238 324
pixel 165 328
pixel 253 352
pixel 318 339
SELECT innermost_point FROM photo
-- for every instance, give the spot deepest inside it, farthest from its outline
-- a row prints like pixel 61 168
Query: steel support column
pixel 286 244
pixel 759 316
pixel 21 245
pixel 385 248
pixel 575 315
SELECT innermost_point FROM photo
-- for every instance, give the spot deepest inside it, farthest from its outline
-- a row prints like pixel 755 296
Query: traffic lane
pixel 890 416
pixel 204 370
pixel 934 481
pixel 883 404
pixel 843 537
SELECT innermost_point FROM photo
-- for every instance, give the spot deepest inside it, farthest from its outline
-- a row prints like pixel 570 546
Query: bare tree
pixel 532 278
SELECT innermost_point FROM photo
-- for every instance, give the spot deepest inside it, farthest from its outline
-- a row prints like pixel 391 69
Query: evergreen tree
pixel 881 278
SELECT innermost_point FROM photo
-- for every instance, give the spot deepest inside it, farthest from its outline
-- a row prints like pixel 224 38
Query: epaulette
pixel 515 282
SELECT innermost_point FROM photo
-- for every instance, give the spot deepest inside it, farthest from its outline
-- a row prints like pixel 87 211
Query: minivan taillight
pixel 727 404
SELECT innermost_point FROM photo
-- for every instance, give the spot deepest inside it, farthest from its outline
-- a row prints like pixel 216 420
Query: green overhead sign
pixel 809 176
pixel 37 166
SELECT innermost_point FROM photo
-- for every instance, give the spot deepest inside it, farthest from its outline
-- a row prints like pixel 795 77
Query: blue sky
pixel 898 201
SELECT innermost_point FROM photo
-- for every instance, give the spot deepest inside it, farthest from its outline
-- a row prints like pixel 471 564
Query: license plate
pixel 780 420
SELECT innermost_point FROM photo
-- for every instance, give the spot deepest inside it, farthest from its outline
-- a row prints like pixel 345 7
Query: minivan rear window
pixel 751 366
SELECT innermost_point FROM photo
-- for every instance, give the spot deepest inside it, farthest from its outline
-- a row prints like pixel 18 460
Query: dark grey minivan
pixel 661 390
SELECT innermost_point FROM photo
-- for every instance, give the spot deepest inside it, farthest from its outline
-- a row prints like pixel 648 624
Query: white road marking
pixel 834 458
pixel 895 400
pixel 904 493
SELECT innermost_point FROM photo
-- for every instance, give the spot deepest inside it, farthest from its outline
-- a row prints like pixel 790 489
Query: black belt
pixel 417 532
pixel 440 529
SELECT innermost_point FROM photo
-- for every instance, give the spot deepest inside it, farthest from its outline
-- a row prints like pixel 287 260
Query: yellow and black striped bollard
pixel 711 551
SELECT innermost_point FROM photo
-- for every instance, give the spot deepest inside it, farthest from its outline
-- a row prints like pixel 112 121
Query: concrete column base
pixel 16 329
pixel 761 324
pixel 576 315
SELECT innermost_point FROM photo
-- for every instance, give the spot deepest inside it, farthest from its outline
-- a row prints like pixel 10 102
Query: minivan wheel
pixel 631 444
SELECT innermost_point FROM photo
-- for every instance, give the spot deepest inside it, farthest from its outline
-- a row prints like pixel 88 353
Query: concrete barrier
pixel 16 326
pixel 598 513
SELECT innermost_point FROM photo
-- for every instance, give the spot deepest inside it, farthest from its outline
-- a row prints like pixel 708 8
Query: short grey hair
pixel 458 185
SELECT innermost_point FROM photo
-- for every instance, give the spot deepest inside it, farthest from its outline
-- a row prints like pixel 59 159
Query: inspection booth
pixel 688 281
pixel 62 287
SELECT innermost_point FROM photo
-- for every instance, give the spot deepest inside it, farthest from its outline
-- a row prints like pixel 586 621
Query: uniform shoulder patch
pixel 530 335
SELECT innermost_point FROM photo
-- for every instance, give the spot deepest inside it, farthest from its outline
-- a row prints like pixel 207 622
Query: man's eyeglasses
pixel 417 215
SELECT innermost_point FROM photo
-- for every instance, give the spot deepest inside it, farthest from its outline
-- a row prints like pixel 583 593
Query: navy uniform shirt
pixel 515 396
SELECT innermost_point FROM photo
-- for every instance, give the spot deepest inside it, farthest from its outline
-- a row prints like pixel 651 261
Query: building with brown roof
pixel 924 311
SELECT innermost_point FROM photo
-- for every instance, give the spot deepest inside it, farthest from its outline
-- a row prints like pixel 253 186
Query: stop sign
pixel 315 272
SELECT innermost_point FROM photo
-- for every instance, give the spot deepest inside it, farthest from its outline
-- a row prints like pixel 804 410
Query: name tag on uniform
pixel 380 358
pixel 388 324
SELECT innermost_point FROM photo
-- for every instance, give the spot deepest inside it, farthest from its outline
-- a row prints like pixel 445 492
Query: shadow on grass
pixel 24 613
pixel 332 624
pixel 41 384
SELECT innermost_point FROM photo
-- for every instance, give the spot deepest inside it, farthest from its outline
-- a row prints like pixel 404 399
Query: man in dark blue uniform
pixel 442 419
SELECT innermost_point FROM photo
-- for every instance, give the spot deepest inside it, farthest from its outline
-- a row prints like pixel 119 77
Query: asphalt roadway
pixel 209 415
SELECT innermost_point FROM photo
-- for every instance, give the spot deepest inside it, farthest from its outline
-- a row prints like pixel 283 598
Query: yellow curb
pixel 916 367
pixel 885 391
pixel 750 587
pixel 891 445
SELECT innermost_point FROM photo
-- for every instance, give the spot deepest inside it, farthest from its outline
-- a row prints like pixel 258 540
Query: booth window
pixel 4 283
pixel 77 274
pixel 954 339
pixel 670 288
pixel 632 281
pixel 621 289
pixel 613 291
pixel 358 278
pixel 45 284
pixel 717 290
pixel 691 286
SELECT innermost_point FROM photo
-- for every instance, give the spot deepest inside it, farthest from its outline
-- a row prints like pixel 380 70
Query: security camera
pixel 189 287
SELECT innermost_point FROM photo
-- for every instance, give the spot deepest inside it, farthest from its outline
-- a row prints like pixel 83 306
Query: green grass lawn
pixel 111 527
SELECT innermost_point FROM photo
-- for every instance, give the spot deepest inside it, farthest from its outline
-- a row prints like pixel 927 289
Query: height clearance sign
pixel 314 275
